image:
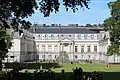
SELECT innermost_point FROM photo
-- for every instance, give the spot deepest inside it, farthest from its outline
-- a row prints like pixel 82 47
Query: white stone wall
pixel 23 48
pixel 69 50
pixel 101 43
pixel 28 47
pixel 14 51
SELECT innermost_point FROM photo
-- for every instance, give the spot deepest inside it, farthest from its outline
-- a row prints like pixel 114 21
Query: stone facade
pixel 23 48
pixel 79 43
pixel 48 42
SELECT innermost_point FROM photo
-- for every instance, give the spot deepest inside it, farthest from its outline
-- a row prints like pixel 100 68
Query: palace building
pixel 62 43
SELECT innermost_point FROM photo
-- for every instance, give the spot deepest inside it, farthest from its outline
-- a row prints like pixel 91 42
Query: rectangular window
pixel 56 48
pixel 88 49
pixel 79 36
pixel 85 36
pixel 76 48
pixel 95 48
pixel 55 56
pixel 43 56
pixel 97 36
pixel 82 48
pixel 76 57
pixel 43 48
pixel 49 48
pixel 49 57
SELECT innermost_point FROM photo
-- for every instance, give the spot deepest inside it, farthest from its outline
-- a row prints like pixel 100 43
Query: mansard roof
pixel 64 29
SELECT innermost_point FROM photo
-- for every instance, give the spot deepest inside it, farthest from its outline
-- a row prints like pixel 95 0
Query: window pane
pixel 92 36
pixel 76 49
pixel 49 48
pixel 76 56
pixel 89 50
pixel 82 48
pixel 55 56
pixel 56 48
pixel 49 57
pixel 95 48
pixel 43 47
pixel 43 56
pixel 85 36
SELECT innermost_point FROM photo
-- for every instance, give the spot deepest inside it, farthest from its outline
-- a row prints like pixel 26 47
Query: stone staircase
pixel 63 57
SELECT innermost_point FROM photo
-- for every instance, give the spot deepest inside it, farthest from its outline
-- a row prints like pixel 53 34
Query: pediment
pixel 68 40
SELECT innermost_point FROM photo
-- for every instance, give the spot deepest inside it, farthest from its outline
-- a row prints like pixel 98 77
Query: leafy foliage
pixel 112 24
pixel 13 12
pixel 48 6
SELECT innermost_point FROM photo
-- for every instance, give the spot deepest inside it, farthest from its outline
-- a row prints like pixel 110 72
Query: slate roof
pixel 38 29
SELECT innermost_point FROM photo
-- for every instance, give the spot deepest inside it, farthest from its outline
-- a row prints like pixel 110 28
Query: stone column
pixel 62 47
pixel 25 52
pixel 59 47
pixel 69 48
pixel 73 51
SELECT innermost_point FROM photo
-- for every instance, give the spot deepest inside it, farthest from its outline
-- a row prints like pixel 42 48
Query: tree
pixel 112 24
pixel 13 12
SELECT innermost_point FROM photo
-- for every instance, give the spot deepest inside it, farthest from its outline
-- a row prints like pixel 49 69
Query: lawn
pixel 89 67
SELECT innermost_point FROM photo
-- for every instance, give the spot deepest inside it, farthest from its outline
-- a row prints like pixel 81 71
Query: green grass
pixel 86 67
pixel 89 67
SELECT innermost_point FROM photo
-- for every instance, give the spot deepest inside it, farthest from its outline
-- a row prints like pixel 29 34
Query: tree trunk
pixel 0 65
pixel 114 57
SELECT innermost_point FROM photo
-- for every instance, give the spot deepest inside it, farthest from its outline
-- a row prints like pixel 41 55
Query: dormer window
pixel 69 35
pixel 62 35
pixel 85 36
pixel 45 35
pixel 92 36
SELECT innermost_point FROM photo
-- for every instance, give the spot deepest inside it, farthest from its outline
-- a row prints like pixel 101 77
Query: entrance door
pixel 65 47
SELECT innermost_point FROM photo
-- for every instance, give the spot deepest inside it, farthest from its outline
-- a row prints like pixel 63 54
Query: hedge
pixel 31 65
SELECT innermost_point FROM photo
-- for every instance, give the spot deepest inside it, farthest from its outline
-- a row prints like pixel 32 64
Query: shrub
pixel 71 62
pixel 31 65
